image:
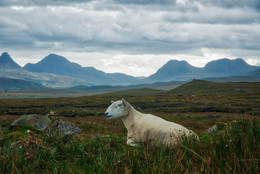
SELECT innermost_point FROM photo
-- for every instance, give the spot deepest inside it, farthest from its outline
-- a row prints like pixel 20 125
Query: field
pixel 101 148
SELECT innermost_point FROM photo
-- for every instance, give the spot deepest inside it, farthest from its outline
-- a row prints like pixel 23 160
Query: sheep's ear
pixel 124 102
pixel 112 101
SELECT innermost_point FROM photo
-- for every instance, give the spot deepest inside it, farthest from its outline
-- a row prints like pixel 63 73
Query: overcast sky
pixel 135 37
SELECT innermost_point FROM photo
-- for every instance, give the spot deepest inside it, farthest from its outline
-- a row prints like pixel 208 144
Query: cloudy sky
pixel 135 37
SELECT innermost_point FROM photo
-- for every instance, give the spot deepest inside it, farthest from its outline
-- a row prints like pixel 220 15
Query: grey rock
pixel 240 90
pixel 237 90
pixel 66 128
pixel 42 122
pixel 212 129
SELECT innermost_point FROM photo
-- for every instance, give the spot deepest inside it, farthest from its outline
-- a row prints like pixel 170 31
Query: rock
pixel 67 129
pixel 42 122
pixel 217 127
pixel 212 129
pixel 240 90
pixel 237 90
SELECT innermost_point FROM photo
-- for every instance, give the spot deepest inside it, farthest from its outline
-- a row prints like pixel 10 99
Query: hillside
pixel 228 67
pixel 181 70
pixel 45 79
pixel 253 76
pixel 10 69
pixel 12 84
pixel 206 87
pixel 133 92
pixel 6 62
pixel 59 65
pixel 174 69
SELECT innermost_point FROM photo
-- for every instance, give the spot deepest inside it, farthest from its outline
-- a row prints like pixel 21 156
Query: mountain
pixel 55 71
pixel 228 67
pixel 6 62
pixel 48 80
pixel 13 84
pixel 174 70
pixel 55 64
pixel 253 76
pixel 10 69
pixel 181 70
pixel 59 65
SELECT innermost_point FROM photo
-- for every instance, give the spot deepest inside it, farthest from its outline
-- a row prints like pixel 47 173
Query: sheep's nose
pixel 106 113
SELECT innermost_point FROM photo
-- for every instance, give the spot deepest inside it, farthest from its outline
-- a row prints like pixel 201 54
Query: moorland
pixel 101 147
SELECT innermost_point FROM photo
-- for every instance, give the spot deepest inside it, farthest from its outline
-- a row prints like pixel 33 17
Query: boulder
pixel 42 122
pixel 217 127
pixel 212 129
pixel 66 128
pixel 240 90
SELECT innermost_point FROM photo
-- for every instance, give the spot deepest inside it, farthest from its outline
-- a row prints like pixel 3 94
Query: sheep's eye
pixel 119 105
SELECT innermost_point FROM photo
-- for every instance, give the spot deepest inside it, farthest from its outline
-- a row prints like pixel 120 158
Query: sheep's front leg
pixel 131 142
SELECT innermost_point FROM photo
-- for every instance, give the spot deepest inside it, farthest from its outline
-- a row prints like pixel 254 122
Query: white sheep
pixel 146 127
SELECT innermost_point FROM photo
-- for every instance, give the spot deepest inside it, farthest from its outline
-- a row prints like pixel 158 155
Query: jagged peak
pixel 7 62
pixel 5 55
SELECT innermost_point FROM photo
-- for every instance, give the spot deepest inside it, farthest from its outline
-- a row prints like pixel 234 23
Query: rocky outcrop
pixel 43 123
pixel 40 122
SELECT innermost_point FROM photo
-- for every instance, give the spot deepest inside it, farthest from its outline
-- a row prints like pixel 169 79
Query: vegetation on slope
pixel 211 88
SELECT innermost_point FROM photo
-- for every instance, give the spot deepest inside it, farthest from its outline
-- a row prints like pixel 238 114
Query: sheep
pixel 143 128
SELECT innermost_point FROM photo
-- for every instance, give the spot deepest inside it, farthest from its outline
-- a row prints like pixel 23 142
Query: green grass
pixel 235 149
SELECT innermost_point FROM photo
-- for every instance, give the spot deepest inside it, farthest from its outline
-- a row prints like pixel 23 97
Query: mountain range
pixel 55 71
pixel 59 65
pixel 182 70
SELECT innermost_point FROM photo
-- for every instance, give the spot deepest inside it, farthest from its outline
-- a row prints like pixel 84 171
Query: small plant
pixel 32 146
pixel 54 131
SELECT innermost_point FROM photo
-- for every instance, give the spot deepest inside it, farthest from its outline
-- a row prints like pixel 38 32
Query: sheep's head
pixel 117 109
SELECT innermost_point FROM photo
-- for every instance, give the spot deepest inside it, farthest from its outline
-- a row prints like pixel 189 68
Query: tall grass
pixel 235 149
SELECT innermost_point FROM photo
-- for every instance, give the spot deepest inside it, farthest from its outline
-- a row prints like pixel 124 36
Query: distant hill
pixel 228 67
pixel 6 62
pixel 248 77
pixel 59 65
pixel 174 69
pixel 206 87
pixel 157 86
pixel 141 91
pixel 181 70
pixel 48 80
pixel 10 69
pixel 12 84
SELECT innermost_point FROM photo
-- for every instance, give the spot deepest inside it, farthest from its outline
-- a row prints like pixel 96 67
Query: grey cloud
pixel 40 2
pixel 146 2
pixel 255 4
pixel 137 29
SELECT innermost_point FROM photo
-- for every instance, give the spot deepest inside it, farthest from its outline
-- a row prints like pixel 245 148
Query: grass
pixel 101 147
pixel 232 150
